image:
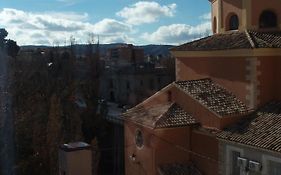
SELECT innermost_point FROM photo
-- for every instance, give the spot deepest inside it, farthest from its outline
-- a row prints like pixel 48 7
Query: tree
pixel 3 35
pixel 12 48
pixel 10 45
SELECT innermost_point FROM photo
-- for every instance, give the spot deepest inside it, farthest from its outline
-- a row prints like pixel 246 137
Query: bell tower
pixel 258 15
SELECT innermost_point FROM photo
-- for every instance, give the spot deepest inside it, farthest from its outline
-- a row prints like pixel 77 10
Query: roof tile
pixel 234 40
pixel 261 129
pixel 160 116
pixel 213 96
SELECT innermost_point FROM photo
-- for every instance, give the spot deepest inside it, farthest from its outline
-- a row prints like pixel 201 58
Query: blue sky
pixel 45 22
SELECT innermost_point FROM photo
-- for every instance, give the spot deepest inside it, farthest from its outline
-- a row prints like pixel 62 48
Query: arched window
pixel 215 25
pixel 139 139
pixel 233 22
pixel 268 19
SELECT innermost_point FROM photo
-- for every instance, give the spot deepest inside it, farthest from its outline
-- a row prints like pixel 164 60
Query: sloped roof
pixel 213 96
pixel 234 40
pixel 177 169
pixel 261 129
pixel 160 116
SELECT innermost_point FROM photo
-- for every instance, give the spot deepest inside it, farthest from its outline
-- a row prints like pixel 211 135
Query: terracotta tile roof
pixel 177 169
pixel 160 116
pixel 234 40
pixel 266 39
pixel 175 116
pixel 261 129
pixel 213 96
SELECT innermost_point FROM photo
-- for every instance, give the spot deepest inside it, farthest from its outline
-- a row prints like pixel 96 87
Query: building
pixel 124 54
pixel 123 86
pixel 255 141
pixel 129 85
pixel 70 156
pixel 228 86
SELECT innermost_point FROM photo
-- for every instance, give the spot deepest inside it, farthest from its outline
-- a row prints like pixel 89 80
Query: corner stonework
pixel 252 69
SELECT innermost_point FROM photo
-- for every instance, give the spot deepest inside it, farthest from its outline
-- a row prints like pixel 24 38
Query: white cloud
pixel 206 16
pixel 178 33
pixel 68 2
pixel 111 26
pixel 146 12
pixel 47 27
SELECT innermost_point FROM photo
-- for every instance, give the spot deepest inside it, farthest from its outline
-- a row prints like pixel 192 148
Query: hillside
pixel 148 49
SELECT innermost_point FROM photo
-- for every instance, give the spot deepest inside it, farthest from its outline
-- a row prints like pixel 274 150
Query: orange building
pixel 226 93
pixel 125 54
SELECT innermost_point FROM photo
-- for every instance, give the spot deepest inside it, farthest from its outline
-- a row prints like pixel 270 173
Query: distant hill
pixel 156 49
pixel 148 49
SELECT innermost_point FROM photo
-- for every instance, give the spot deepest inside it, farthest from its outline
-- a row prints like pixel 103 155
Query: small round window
pixel 139 139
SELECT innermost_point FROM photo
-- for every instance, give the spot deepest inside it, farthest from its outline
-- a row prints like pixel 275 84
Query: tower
pixel 261 15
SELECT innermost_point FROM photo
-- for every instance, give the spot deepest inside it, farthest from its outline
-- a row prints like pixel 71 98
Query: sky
pixel 53 22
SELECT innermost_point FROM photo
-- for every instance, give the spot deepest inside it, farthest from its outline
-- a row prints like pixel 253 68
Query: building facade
pixel 130 85
pixel 124 55
pixel 228 83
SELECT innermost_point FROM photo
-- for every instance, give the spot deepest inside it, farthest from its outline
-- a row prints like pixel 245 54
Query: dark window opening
pixel 111 83
pixel 235 167
pixel 139 139
pixel 159 80
pixel 151 84
pixel 268 19
pixel 141 82
pixel 128 85
pixel 62 173
pixel 233 22
pixel 159 83
pixel 112 97
pixel 215 25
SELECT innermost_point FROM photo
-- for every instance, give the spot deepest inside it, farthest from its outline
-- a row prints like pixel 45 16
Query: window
pixel 111 83
pixel 215 25
pixel 139 139
pixel 141 82
pixel 112 97
pixel 271 165
pixel 274 167
pixel 159 83
pixel 232 154
pixel 233 22
pixel 151 84
pixel 268 19
pixel 62 173
pixel 235 168
pixel 128 85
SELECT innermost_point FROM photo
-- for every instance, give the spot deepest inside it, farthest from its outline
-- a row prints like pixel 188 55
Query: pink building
pixel 227 90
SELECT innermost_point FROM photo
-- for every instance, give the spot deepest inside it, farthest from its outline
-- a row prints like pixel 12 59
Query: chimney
pixel 75 158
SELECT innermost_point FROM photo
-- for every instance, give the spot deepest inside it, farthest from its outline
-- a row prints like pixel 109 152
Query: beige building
pixel 75 159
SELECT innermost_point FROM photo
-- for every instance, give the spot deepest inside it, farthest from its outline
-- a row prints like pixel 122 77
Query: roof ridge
pixel 266 42
pixel 192 41
pixel 251 41
pixel 162 115
pixel 220 88
pixel 198 101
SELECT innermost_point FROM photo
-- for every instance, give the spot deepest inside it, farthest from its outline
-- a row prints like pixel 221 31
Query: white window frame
pixel 265 159
pixel 229 150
